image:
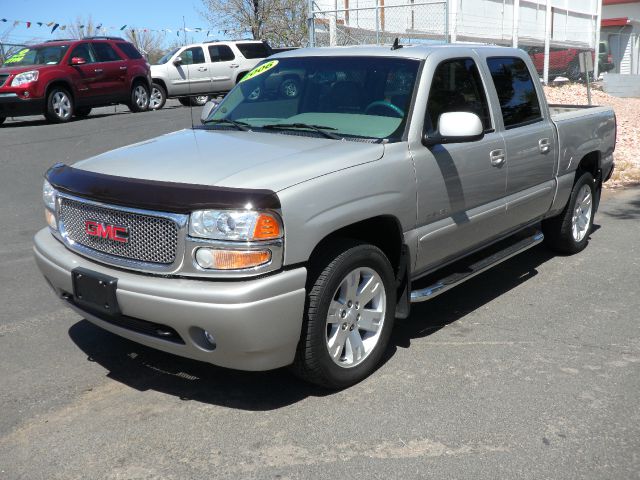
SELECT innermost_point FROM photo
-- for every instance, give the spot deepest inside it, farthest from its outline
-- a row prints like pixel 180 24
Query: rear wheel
pixel 569 231
pixel 59 105
pixel 82 112
pixel 348 316
pixel 139 101
pixel 195 101
pixel 158 97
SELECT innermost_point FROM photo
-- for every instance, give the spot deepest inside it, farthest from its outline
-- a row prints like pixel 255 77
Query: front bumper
pixel 12 105
pixel 256 323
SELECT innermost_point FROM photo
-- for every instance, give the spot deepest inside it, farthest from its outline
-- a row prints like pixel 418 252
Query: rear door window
pixel 457 87
pixel 221 53
pixel 253 50
pixel 516 91
pixel 105 52
pixel 192 56
pixel 129 50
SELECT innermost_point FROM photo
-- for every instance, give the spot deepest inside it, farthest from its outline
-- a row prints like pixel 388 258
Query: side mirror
pixel 78 61
pixel 208 109
pixel 177 61
pixel 455 127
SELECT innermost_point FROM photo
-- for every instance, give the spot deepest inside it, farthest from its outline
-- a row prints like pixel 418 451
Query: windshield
pixel 348 96
pixel 167 57
pixel 42 55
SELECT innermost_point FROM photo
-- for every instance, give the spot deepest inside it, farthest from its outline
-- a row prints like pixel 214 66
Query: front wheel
pixel 196 101
pixel 139 101
pixel 349 316
pixel 569 231
pixel 59 106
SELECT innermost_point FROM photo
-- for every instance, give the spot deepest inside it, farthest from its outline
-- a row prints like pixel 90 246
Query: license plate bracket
pixel 95 291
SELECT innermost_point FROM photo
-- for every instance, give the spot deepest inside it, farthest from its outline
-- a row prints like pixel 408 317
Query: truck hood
pixel 7 70
pixel 272 161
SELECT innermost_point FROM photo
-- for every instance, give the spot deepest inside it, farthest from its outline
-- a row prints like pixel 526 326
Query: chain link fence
pixel 376 23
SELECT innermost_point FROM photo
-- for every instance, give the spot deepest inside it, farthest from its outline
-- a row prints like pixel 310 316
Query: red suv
pixel 63 78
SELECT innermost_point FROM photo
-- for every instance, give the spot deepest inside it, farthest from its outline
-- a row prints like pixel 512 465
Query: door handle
pixel 544 145
pixel 123 68
pixel 202 69
pixel 497 157
pixel 234 65
pixel 98 70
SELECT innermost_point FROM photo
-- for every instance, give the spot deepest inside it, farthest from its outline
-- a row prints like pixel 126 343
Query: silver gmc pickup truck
pixel 292 229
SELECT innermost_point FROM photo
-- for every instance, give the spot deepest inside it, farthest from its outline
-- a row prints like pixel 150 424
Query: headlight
pixel 24 77
pixel 245 225
pixel 49 196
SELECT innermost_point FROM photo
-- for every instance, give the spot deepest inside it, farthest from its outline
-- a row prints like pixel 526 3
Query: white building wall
pixel 483 20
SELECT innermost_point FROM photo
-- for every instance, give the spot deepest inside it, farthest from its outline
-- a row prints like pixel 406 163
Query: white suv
pixel 193 72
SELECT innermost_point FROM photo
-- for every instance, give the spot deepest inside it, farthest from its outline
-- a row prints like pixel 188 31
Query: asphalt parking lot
pixel 531 370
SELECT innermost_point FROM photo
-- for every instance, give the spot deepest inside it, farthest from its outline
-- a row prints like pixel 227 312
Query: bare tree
pixel 150 44
pixel 80 28
pixel 281 22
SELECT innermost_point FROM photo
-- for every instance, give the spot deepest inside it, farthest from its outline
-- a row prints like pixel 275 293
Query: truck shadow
pixel 429 317
pixel 144 368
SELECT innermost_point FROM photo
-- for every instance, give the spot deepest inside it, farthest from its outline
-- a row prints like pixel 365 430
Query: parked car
pixel 65 78
pixel 194 72
pixel 562 61
pixel 292 231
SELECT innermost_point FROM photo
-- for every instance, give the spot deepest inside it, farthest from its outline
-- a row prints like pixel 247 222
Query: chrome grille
pixel 151 239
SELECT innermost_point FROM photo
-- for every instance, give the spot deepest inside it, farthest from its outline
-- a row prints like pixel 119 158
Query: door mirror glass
pixel 78 61
pixel 456 127
pixel 208 109
pixel 177 61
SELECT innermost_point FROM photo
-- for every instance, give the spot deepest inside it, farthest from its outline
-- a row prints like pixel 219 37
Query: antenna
pixel 396 44
pixel 184 36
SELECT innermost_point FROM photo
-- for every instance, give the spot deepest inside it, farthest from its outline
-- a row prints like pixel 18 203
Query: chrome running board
pixel 476 268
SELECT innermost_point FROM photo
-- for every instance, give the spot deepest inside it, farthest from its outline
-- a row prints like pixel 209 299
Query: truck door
pixel 113 83
pixel 529 138
pixel 461 186
pixel 85 76
pixel 223 67
pixel 191 76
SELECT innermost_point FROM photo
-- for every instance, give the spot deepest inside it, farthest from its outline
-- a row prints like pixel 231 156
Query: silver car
pixel 194 72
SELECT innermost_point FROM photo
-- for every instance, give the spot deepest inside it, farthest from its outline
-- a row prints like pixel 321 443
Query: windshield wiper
pixel 293 126
pixel 244 126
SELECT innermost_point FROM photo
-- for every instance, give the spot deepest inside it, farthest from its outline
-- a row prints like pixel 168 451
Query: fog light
pixel 51 219
pixel 209 338
pixel 216 259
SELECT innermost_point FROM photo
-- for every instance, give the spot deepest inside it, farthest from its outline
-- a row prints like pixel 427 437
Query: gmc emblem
pixel 103 230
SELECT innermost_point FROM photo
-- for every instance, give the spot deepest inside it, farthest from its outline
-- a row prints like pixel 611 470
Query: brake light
pixel 609 58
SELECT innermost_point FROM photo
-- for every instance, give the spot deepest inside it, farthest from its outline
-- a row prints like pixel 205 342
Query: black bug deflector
pixel 155 195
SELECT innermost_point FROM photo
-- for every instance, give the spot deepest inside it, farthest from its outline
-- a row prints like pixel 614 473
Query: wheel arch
pixel 140 79
pixel 383 231
pixel 60 83
pixel 160 82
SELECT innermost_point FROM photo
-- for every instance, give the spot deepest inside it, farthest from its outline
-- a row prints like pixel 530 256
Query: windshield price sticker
pixel 260 70
pixel 18 57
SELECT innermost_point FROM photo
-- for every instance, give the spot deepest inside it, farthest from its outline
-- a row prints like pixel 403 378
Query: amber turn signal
pixel 217 259
pixel 267 228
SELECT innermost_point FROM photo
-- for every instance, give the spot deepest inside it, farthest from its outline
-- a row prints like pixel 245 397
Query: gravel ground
pixel 627 110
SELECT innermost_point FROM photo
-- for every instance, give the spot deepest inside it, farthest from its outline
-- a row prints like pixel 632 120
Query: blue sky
pixel 158 14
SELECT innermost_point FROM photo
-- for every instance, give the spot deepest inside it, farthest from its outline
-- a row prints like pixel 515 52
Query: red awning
pixel 615 22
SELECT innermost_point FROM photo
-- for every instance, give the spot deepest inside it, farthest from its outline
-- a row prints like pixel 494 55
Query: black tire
pixel 573 71
pixel 158 97
pixel 194 101
pixel 313 362
pixel 139 97
pixel 60 108
pixel 82 112
pixel 2 119
pixel 558 230
pixel 290 88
